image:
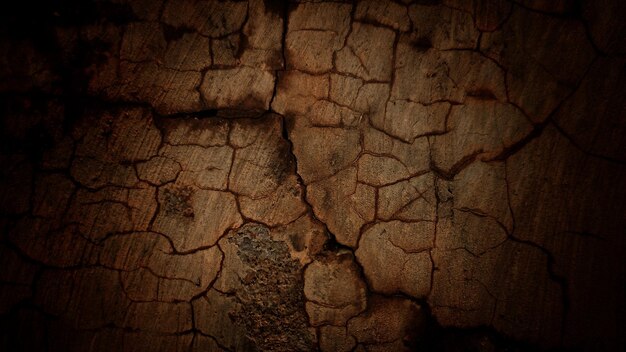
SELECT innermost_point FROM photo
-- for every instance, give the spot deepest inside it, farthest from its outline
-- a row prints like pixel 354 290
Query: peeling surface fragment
pixel 395 257
pixel 334 290
pixel 268 284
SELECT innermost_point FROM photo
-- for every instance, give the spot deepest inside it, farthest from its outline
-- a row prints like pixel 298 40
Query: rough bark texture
pixel 295 176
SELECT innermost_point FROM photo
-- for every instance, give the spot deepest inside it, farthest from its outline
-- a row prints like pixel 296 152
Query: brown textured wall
pixel 338 176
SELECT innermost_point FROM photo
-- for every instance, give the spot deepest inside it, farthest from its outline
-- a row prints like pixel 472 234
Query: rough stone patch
pixel 268 284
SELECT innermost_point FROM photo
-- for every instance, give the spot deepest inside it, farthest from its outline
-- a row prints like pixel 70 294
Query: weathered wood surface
pixel 256 175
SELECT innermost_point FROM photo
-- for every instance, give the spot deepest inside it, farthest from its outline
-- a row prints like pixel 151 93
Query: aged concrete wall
pixel 335 176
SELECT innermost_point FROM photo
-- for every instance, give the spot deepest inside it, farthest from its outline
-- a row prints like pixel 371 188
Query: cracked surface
pixel 312 175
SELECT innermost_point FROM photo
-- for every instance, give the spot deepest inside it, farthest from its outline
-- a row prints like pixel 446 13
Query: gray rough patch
pixel 178 201
pixel 272 301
